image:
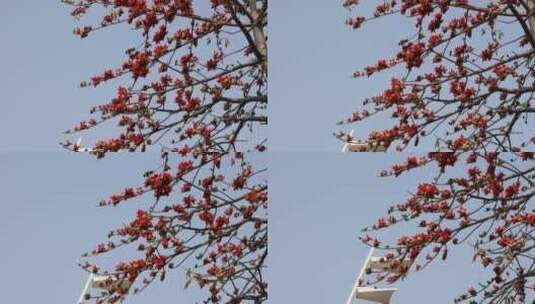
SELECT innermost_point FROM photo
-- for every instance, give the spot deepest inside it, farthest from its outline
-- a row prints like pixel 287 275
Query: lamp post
pixel 372 293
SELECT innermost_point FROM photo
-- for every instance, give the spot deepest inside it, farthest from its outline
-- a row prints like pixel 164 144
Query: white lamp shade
pixel 372 293
pixel 378 295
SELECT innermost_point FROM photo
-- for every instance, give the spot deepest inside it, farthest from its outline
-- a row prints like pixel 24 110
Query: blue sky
pixel 43 65
pixel 49 218
pixel 318 208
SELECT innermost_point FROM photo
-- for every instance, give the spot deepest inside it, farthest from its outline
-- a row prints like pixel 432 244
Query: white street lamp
pixel 372 293
pixel 108 283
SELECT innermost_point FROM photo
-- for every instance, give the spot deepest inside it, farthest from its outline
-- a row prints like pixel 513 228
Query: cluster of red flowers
pixel 412 54
pixel 128 193
pixel 240 180
pixel 160 183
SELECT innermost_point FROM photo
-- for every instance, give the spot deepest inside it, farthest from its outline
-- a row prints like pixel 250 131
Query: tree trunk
pixel 258 33
pixel 531 6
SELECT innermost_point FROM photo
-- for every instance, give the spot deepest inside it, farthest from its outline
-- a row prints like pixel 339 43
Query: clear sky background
pixel 49 217
pixel 48 213
pixel 317 210
pixel 43 64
